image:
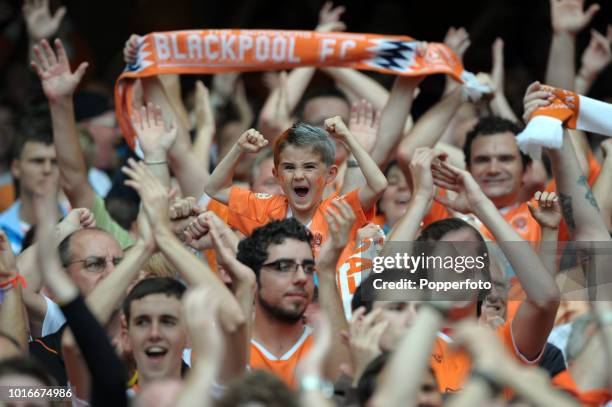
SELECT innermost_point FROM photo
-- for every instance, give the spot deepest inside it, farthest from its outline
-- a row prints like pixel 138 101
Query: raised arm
pixel 201 308
pixel 547 212
pixel 340 218
pixel 535 316
pixel 59 84
pixel 595 58
pixel 106 370
pixel 375 179
pixel 205 125
pixel 13 319
pixel 393 118
pixel 499 104
pixel 219 185
pixel 429 128
pixel 298 79
pixel 360 84
pixel 567 19
pixel 408 226
pixel 602 188
pixel 416 347
pixel 156 139
pixel 155 202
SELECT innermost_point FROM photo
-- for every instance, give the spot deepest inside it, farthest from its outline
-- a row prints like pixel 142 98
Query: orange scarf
pixel 213 51
pixel 567 110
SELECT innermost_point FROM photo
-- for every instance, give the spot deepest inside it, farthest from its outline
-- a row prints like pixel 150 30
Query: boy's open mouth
pixel 301 191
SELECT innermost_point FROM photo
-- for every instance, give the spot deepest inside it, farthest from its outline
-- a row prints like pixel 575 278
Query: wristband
pixel 352 164
pixel 316 383
pixel 156 162
pixel 17 280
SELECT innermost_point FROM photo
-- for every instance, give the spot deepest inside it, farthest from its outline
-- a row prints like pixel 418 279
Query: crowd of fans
pixel 229 262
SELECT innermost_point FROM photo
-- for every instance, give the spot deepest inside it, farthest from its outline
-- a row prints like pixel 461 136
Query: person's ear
pixel 331 174
pixel 274 172
pixel 15 170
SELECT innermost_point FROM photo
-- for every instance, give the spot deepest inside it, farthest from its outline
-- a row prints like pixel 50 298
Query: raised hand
pixel 39 21
pixel 251 141
pixel 497 71
pixel 79 218
pixel 548 211
pixel 201 310
pixel 535 97
pixel 568 16
pixel 337 129
pixel 458 39
pixel 421 170
pixel 340 218
pixel 329 18
pixel 130 50
pixel 154 136
pixel 468 193
pixel 53 70
pixel 597 56
pixel 155 198
pixel 364 338
pixel 364 123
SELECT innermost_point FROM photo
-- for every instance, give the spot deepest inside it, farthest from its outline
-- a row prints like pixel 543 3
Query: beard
pixel 281 314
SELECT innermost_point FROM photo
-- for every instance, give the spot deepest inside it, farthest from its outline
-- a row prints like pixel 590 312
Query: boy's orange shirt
pixel 249 210
pixel 283 367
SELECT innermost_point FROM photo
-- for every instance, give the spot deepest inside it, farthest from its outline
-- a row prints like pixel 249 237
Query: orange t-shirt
pixel 591 398
pixel 521 221
pixel 284 367
pixel 452 368
pixel 249 210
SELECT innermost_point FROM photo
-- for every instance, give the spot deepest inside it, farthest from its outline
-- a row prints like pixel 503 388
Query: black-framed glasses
pixel 96 264
pixel 291 266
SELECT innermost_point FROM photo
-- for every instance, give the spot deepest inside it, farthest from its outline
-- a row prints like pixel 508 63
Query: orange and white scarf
pixel 213 51
pixel 569 110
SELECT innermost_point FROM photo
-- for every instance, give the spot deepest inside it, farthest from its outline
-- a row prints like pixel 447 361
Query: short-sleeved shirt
pixel 249 210
pixel 283 367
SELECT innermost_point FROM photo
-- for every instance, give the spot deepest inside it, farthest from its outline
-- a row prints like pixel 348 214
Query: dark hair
pixel 155 285
pixel 122 209
pixel 27 366
pixel 320 92
pixel 488 126
pixel 304 135
pixel 42 137
pixel 253 250
pixel 258 387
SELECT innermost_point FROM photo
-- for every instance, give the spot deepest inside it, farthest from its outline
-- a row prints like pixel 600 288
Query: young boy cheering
pixel 303 167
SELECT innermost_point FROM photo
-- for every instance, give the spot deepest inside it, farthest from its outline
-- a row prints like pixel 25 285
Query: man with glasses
pixel 281 256
pixel 88 255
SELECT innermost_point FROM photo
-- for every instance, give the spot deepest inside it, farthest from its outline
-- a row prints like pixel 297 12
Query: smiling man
pixel 155 331
pixel 498 166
